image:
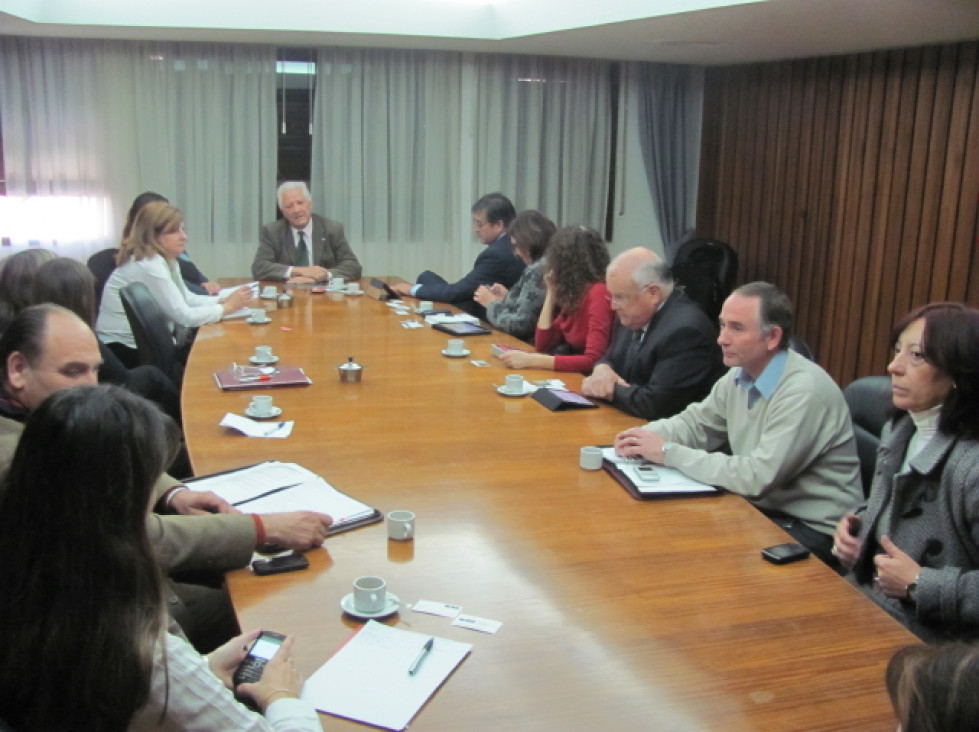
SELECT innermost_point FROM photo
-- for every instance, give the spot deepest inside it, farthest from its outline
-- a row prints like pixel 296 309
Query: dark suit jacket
pixel 496 263
pixel 677 364
pixel 277 250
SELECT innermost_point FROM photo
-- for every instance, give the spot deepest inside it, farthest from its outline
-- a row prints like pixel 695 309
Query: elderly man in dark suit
pixel 497 264
pixel 664 352
pixel 303 247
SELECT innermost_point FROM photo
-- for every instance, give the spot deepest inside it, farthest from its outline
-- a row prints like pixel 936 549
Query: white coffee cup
pixel 263 353
pixel 337 283
pixel 425 305
pixel 353 288
pixel 514 384
pixel 370 594
pixel 590 458
pixel 259 315
pixel 455 345
pixel 401 525
pixel 261 405
pixel 269 291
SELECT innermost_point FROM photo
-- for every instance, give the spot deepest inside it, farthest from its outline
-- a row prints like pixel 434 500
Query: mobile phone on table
pixel 647 472
pixel 784 553
pixel 276 565
pixel 265 646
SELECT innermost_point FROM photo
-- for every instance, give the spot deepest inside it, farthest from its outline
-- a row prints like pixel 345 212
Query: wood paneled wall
pixel 852 183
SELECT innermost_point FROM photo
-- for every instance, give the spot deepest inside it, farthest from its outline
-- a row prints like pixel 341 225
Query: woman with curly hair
pixel 576 321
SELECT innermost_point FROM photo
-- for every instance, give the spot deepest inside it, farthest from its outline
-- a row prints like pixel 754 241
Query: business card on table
pixel 481 364
pixel 483 625
pixel 437 608
pixel 411 324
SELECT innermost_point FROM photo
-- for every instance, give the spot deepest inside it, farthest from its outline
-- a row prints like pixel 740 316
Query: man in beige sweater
pixel 793 451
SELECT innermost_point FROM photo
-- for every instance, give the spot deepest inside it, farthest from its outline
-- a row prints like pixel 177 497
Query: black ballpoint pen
pixel 422 655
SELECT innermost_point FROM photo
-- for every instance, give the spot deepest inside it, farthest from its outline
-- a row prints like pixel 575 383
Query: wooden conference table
pixel 617 614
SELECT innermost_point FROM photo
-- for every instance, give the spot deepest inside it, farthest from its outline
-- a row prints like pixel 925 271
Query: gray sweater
pixel 792 454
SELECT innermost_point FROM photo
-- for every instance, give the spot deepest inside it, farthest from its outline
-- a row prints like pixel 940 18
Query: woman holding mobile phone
pixel 86 640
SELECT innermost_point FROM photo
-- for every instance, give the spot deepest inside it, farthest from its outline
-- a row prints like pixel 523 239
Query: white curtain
pixel 386 137
pixel 543 135
pixel 404 142
pixel 88 125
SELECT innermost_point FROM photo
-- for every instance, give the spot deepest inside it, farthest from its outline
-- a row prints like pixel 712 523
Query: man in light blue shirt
pixel 793 454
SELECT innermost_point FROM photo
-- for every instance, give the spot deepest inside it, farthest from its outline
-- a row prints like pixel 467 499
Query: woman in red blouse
pixel 576 321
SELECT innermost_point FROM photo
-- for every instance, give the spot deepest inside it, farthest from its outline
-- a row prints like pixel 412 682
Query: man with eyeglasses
pixel 664 352
pixel 497 264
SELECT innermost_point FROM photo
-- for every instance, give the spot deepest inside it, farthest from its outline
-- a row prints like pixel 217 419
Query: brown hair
pixel 576 259
pixel 153 220
pixel 531 232
pixel 950 343
pixel 933 688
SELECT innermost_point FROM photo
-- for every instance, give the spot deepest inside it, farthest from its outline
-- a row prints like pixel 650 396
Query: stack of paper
pixel 275 487
pixel 367 680
pixel 666 480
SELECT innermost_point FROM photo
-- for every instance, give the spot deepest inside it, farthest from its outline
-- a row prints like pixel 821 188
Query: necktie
pixel 632 353
pixel 302 252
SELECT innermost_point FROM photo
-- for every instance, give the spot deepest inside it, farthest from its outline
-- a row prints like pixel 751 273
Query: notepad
pixel 275 487
pixel 367 680
pixel 668 481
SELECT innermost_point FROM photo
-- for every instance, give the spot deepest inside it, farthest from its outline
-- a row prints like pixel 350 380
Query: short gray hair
pixel 288 186
pixel 654 273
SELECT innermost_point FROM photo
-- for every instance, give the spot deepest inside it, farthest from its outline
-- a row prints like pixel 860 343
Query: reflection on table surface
pixel 617 614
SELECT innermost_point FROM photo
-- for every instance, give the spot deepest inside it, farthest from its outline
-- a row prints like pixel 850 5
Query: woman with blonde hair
pixel 575 322
pixel 149 255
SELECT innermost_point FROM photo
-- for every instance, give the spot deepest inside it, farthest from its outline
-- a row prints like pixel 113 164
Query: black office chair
pixel 154 342
pixel 707 270
pixel 801 347
pixel 869 401
pixel 101 264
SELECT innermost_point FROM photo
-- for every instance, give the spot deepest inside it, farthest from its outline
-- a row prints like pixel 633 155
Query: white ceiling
pixel 679 31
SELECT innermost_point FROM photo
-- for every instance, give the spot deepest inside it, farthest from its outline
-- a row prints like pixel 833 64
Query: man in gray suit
pixel 303 247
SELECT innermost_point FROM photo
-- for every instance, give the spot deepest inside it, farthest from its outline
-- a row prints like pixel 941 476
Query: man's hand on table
pixel 299 530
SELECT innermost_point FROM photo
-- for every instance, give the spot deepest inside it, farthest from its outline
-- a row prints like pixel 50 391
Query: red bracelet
pixel 259 529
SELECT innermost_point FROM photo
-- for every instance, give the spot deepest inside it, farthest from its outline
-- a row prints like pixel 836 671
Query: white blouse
pixel 197 701
pixel 162 278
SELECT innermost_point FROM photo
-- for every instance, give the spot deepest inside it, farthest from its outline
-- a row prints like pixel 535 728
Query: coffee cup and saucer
pixel 263 356
pixel 259 316
pixel 515 386
pixel 456 348
pixel 261 407
pixel 370 599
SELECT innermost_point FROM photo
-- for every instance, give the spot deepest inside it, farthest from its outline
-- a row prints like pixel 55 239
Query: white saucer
pixel 269 297
pixel 354 294
pixel 259 322
pixel 262 361
pixel 342 288
pixel 393 603
pixel 461 354
pixel 527 389
pixel 276 411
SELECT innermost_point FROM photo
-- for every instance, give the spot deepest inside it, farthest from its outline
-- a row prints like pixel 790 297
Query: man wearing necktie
pixel 303 247
pixel 663 353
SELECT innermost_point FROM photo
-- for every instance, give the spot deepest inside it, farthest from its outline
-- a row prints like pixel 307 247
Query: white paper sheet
pixel 367 680
pixel 670 480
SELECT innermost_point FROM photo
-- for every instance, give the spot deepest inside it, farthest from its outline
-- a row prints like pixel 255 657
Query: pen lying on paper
pixel 422 655
pixel 275 429
pixel 267 493
pixel 263 377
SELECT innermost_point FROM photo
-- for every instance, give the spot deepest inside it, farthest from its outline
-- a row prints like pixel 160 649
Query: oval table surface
pixel 617 614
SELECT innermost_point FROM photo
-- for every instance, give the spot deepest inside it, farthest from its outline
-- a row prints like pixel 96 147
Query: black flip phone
pixel 784 553
pixel 261 652
pixel 275 565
